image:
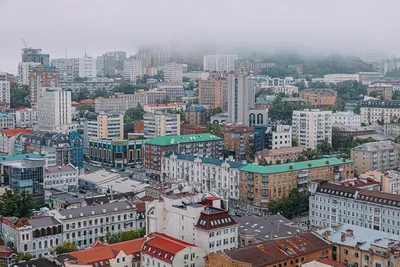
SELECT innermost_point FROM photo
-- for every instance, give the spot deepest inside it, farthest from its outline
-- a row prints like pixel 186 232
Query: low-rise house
pixel 389 180
pixel 362 183
pixel 7 140
pixel 280 155
pixel 64 177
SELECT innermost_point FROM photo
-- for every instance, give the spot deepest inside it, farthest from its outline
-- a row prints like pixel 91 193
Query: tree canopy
pixel 289 206
pixel 123 236
pixel 128 88
pixel 18 205
pixel 134 114
pixel 19 96
pixel 21 256
pixel 65 247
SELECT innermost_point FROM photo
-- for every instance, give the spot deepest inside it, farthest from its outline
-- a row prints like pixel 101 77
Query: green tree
pixel 102 93
pixel 134 114
pixel 124 236
pixel 310 154
pixel 215 129
pixel 24 205
pixel 289 206
pixel 9 202
pixel 21 256
pixel 295 142
pixel 324 148
pixel 393 73
pixel 65 247
pixel 19 95
pixel 128 88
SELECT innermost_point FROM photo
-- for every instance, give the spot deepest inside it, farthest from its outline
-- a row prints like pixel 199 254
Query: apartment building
pixel 133 69
pixel 346 119
pixel 173 72
pixel 219 63
pixel 161 124
pixel 7 140
pixel 288 90
pixel 385 111
pixel 106 126
pixel 260 184
pixel 5 95
pixel 311 127
pixel 7 120
pixel 64 177
pixel 24 68
pixel 203 174
pixel 177 106
pixel 30 54
pixel 174 91
pixel 214 93
pixel 379 156
pixel 391 129
pixel 279 82
pixel 278 156
pixel 67 68
pixel 359 246
pixel 196 115
pixel 208 227
pixel 41 77
pixel 54 110
pixel 84 225
pixel 92 84
pixel 26 118
pixel 381 90
pixel 238 140
pixel 337 78
pixel 289 251
pixel 389 180
pixel 203 145
pixel 332 205
pixel 319 97
pixel 36 236
pixel 272 136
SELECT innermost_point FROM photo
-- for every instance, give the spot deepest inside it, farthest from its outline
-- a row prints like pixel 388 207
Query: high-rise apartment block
pixel 106 126
pixel 311 127
pixel 41 77
pixel 105 65
pixel 67 68
pixel 54 110
pixel 4 94
pixel 214 93
pixel 219 62
pixel 133 69
pixel 161 124
pixel 24 68
pixel 87 67
pixel 173 72
pixel 35 55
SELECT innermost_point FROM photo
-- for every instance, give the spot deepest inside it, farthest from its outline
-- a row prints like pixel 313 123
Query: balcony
pixel 303 174
pixel 302 181
pixel 250 195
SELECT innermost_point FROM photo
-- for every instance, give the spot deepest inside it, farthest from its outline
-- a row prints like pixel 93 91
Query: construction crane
pixel 24 43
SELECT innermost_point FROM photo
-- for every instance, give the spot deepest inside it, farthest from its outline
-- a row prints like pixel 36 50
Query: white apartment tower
pixel 219 62
pixel 54 110
pixel 4 92
pixel 241 97
pixel 87 67
pixel 312 127
pixel 161 124
pixel 23 71
pixel 133 69
pixel 173 72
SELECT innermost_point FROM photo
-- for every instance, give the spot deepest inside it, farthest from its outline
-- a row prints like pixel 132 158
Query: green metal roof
pixel 20 157
pixel 295 165
pixel 181 139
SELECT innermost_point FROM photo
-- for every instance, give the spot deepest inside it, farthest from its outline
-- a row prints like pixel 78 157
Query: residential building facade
pixel 106 126
pixel 63 177
pixel 219 63
pixel 26 118
pixel 41 77
pixel 4 95
pixel 319 97
pixel 196 114
pixel 238 140
pixel 161 124
pixel 7 140
pixel 214 93
pixel 173 72
pixel 278 156
pixel 346 119
pixel 312 127
pixel 177 106
pixel 24 68
pixel 174 91
pixel 385 111
pixel 382 90
pixel 288 90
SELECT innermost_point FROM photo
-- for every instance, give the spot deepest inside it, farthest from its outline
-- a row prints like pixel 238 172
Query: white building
pixel 203 174
pixel 5 92
pixel 241 98
pixel 84 225
pixel 209 228
pixel 332 204
pixel 26 118
pixel 178 106
pixel 173 72
pixel 133 69
pixel 23 71
pixel 62 177
pixel 106 126
pixel 7 140
pixel 346 119
pixel 7 120
pixel 161 124
pixel 312 127
pixel 337 78
pixel 174 91
pixel 287 90
pixel 219 62
pixel 54 110
pixel 281 136
pixel 196 75
pixel 372 111
pixel 67 68
pixel 87 67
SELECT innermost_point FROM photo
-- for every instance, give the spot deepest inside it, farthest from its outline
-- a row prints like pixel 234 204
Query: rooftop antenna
pixel 66 53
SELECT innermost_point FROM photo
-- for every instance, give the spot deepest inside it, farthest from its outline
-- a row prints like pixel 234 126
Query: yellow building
pixel 107 126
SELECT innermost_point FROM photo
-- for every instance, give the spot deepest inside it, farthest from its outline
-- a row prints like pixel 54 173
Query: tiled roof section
pixel 381 103
pixel 43 222
pixel 13 132
pixel 102 255
pixel 61 168
pixel 6 252
pixel 140 207
pixel 218 162
pixel 359 182
pixel 377 146
pixel 270 252
pixel 294 166
pixel 213 218
pixel 97 209
pixel 130 246
pixel 240 129
pixel 172 140
pixel 361 194
pixel 164 247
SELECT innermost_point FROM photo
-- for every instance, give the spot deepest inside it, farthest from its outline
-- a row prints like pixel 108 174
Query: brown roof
pixel 267 253
pixel 213 218
pixel 279 151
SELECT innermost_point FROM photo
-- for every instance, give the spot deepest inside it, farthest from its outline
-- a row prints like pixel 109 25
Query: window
pixel 355 255
pixel 346 252
pixel 366 257
pixel 117 260
pixel 186 257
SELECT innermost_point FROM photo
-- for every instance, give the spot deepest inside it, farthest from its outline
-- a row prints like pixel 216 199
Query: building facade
pixel 63 177
pixel 24 68
pixel 241 98
pixel 219 63
pixel 30 54
pixel 41 77
pixel 238 141
pixel 5 95
pixel 174 91
pixel 196 114
pixel 161 124
pixel 173 72
pixel 379 156
pixel 214 93
pixel 312 127
pixel 26 118
pixel 203 145
pixel 382 90
pixel 278 156
pixel 319 97
pixel 260 184
pixel 106 126
pixel 346 119
pixel 374 111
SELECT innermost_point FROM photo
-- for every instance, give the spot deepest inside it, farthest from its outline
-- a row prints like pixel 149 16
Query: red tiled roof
pixel 212 198
pixel 164 247
pixel 331 262
pixel 140 207
pixel 147 198
pixel 6 252
pixel 92 255
pixel 130 246
pixel 13 132
pixel 213 218
pixel 87 101
pixel 74 103
pixel 360 182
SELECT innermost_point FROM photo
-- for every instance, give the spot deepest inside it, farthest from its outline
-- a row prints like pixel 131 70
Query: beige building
pixel 287 90
pixel 380 156
pixel 337 78
pixel 161 124
pixel 107 126
pixel 390 180
pixel 213 93
pixel 311 127
pixel 372 111
pixel 280 155
pixel 23 71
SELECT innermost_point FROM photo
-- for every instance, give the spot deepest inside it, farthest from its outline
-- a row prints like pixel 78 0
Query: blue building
pixel 77 144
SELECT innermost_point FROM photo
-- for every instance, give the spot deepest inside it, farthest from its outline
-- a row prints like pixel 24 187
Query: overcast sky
pixel 96 26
